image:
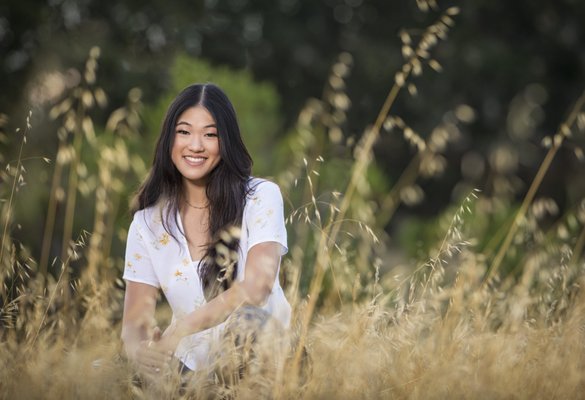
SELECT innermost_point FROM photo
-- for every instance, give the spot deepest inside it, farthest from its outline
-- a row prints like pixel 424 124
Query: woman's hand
pixel 169 340
pixel 151 359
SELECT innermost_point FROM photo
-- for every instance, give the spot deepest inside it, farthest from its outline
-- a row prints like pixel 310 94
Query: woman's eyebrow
pixel 205 127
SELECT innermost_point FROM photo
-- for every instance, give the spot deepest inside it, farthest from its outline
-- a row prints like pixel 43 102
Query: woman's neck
pixel 195 195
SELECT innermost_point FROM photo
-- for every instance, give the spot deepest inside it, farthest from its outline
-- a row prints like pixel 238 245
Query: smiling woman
pixel 204 232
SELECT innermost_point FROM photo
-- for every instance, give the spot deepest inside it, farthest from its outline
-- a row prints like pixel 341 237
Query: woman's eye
pixel 211 134
pixel 182 132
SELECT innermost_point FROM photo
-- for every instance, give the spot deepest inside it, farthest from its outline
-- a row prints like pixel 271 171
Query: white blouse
pixel 153 257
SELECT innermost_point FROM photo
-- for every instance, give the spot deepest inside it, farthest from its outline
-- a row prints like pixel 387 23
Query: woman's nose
pixel 196 143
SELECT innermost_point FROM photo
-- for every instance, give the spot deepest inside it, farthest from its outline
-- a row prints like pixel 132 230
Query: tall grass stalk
pixel 79 125
pixel 113 162
pixel 309 144
pixel 362 160
pixel 17 179
pixel 51 213
pixel 71 198
pixel 18 170
pixel 563 132
pixel 83 126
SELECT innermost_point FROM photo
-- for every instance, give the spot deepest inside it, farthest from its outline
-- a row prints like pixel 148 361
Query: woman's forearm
pixel 214 312
pixel 138 317
pixel 131 338
pixel 261 269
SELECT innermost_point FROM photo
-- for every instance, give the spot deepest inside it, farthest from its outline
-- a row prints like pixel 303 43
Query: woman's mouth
pixel 194 160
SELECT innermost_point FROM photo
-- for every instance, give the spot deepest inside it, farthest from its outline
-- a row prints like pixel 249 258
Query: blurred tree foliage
pixel 515 66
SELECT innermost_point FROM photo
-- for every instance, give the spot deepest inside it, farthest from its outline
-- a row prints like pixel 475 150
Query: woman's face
pixel 195 150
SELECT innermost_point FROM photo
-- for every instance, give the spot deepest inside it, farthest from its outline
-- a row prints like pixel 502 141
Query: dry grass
pixel 436 329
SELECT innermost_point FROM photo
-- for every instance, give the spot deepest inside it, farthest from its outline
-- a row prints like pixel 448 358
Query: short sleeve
pixel 138 266
pixel 265 216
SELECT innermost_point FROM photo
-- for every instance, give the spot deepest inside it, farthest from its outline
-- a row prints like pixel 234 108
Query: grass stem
pixel 17 172
pixel 544 167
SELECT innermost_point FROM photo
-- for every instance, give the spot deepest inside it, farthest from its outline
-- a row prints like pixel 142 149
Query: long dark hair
pixel 227 184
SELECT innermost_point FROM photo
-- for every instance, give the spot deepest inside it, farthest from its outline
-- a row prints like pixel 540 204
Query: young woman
pixel 204 232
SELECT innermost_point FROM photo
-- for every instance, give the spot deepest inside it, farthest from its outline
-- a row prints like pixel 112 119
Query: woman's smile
pixel 195 161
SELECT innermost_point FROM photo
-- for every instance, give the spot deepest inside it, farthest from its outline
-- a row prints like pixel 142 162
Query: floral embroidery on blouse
pixel 179 276
pixel 261 222
pixel 164 239
pixel 130 266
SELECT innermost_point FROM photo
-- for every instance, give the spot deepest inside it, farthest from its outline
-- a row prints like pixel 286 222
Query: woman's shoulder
pixel 149 218
pixel 258 186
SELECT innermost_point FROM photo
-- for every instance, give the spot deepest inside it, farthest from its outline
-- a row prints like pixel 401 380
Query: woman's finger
pixel 148 354
pixel 156 334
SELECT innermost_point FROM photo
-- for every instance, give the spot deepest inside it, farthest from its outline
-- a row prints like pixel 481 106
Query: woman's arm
pixel 137 326
pixel 261 268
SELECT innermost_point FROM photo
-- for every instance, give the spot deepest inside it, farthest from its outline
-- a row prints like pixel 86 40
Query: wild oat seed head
pixel 335 135
pixel 100 97
pixel 465 113
pixel 95 52
pixel 432 165
pixel 412 195
pixel 405 37
pixel 407 51
pixel 416 67
pixel 434 64
pixel 565 130
pixel 341 101
pixel 544 206
pixel 399 79
pixel 412 89
pixel 447 20
pixel 425 5
pixel 340 70
pixel 336 82
pixel 388 124
pixel 346 58
pixel 87 98
pixel 89 76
